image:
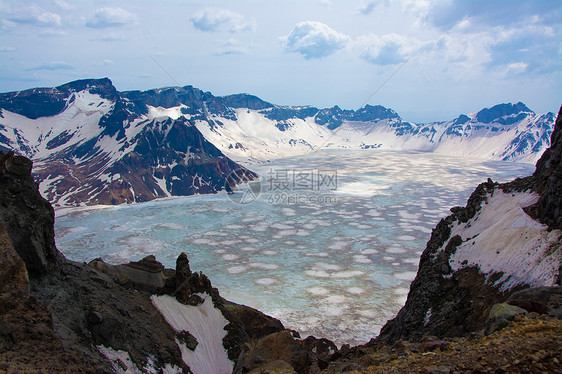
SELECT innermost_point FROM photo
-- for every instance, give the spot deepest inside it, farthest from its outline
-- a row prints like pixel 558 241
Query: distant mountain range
pixel 92 144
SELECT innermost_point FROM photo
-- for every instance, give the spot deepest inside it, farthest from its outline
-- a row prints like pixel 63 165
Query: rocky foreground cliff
pixel 487 298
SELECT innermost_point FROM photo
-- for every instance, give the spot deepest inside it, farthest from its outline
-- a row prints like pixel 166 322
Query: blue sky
pixel 443 58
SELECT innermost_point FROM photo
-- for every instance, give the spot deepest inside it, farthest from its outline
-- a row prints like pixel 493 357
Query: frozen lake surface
pixel 329 246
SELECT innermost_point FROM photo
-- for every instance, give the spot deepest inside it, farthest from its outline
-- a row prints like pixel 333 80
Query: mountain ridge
pixel 92 144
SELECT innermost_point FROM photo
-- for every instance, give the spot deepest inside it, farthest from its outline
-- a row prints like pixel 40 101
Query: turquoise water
pixel 333 259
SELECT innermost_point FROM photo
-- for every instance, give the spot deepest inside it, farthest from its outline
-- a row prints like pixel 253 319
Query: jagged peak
pixel 378 111
pixel 500 111
pixel 83 84
pixel 245 100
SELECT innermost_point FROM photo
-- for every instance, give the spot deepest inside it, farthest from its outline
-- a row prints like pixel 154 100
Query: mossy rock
pixel 189 340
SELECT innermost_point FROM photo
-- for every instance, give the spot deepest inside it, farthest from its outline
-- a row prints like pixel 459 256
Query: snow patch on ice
pixel 406 275
pixel 264 266
pixel 318 291
pixel 237 269
pixel 266 281
pixel 355 290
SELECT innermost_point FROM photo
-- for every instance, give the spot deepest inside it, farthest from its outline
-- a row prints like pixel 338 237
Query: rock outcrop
pixel 29 218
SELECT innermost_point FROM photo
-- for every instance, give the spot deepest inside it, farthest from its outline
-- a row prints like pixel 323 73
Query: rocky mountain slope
pixel 92 144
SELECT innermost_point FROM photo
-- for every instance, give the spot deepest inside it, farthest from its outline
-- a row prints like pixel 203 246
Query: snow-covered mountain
pixel 93 144
pixel 503 132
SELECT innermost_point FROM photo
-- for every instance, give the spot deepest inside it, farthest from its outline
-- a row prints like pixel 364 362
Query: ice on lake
pixel 329 247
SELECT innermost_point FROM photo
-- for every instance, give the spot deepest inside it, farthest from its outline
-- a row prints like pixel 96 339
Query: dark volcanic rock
pixel 498 112
pixel 27 338
pixel 28 217
pixel 333 118
pixel 370 112
pixel 245 101
pixel 549 180
pixel 182 270
pixel 55 322
pixel 14 282
pixel 145 275
pixel 542 300
pixel 90 309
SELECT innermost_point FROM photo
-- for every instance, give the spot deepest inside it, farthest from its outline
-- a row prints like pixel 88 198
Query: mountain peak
pixel 82 84
pixel 244 100
pixel 102 87
pixel 374 111
pixel 49 101
pixel 498 113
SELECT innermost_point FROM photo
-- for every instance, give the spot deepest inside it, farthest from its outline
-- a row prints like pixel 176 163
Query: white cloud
pixel 54 32
pixel 517 67
pixel 32 15
pixel 232 47
pixel 53 65
pixel 7 49
pixel 214 19
pixel 417 6
pixel 387 49
pixel 471 50
pixel 314 40
pixel 463 25
pixel 110 17
pixel 64 5
pixel 368 8
pixel 112 37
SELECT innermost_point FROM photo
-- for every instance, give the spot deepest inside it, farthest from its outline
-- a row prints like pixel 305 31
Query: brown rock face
pixel 27 337
pixel 29 218
pixel 274 347
pixel 14 283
